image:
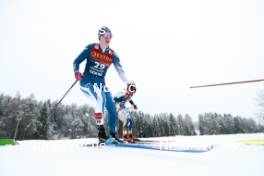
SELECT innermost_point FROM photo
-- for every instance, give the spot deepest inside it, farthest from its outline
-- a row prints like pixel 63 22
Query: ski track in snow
pixel 67 158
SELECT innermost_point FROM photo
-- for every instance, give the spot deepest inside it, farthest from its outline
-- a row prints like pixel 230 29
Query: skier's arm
pixel 119 69
pixel 81 58
pixel 133 104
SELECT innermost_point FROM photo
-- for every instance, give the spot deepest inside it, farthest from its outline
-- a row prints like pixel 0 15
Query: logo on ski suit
pixel 104 58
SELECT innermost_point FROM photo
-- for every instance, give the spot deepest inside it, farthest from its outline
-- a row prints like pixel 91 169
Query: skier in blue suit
pixel 99 57
pixel 127 123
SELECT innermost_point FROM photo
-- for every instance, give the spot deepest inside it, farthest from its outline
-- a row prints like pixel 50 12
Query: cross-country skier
pixel 99 57
pixel 120 100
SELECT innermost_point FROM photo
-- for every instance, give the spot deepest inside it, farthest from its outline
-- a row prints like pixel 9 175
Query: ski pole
pixel 56 105
pixel 66 93
pixel 229 83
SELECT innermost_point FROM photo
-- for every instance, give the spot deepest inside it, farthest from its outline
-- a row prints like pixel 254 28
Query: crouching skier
pixel 99 58
pixel 120 100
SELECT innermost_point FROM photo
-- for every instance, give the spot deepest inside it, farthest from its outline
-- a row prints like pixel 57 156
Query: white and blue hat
pixel 103 30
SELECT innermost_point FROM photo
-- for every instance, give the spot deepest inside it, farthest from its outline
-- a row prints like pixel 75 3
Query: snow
pixel 67 158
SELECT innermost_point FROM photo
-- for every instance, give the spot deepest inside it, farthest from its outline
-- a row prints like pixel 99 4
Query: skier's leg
pixel 122 115
pixel 123 119
pixel 112 115
pixel 97 94
pixel 128 126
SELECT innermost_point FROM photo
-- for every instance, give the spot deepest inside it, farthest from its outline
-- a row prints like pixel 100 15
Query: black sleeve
pixel 131 102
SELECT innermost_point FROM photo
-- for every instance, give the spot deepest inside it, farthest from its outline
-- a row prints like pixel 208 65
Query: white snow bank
pixel 67 158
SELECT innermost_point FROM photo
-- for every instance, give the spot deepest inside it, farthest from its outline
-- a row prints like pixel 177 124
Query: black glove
pixel 135 106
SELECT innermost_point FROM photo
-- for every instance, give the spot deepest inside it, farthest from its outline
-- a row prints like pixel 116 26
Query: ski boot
pixel 127 139
pixel 104 139
pixel 101 134
pixel 131 139
pixel 112 140
pixel 113 135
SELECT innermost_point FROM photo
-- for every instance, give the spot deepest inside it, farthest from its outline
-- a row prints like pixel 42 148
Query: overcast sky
pixel 165 46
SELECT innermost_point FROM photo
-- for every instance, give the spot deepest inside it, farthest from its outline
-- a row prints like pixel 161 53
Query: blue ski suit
pixel 93 82
pixel 120 100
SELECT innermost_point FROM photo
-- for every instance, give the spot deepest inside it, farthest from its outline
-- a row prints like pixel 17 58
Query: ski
pixel 149 146
pixel 164 148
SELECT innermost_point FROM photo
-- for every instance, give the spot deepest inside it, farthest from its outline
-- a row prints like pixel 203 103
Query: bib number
pixel 98 65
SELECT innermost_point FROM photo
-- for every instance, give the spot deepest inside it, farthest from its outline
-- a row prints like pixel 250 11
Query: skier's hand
pixel 78 76
pixel 135 106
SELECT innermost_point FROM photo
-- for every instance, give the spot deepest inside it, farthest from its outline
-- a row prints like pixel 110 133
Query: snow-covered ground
pixel 67 158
